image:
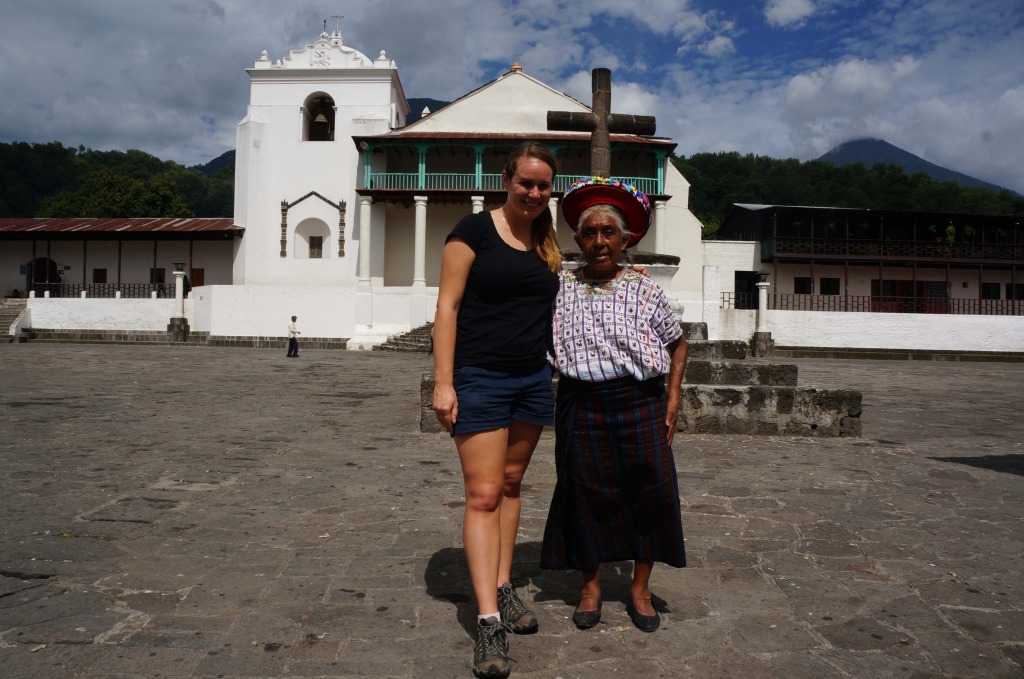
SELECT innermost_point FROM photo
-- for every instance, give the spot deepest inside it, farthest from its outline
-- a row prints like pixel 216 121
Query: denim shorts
pixel 491 399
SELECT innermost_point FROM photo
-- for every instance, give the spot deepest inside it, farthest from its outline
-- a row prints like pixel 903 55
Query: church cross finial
pixel 337 19
pixel 601 122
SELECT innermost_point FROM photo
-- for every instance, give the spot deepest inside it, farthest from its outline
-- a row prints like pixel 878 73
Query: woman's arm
pixel 456 260
pixel 678 351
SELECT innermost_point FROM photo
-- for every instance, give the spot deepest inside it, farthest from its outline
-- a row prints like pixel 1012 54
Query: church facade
pixel 346 208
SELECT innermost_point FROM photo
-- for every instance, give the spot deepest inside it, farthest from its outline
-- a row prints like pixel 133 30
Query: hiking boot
pixel 514 611
pixel 490 654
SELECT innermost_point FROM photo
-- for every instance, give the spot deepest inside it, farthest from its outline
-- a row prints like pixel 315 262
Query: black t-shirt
pixel 504 320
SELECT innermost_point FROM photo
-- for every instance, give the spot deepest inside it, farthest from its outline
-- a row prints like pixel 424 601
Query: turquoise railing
pixel 455 181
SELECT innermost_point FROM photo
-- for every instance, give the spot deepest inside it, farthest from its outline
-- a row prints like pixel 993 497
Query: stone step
pixel 694 331
pixel 749 372
pixel 764 410
pixel 720 409
pixel 419 340
pixel 710 350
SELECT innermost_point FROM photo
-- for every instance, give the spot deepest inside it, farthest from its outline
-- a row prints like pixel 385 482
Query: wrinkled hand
pixel 671 417
pixel 642 270
pixel 446 407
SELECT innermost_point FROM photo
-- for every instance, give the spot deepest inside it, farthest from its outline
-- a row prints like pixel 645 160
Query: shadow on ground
pixel 447 578
pixel 1007 464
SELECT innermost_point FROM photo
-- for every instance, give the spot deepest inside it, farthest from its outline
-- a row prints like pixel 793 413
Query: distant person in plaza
pixel 620 355
pixel 293 338
pixel 492 381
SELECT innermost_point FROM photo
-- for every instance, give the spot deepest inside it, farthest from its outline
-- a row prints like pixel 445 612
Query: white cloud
pixel 718 46
pixel 937 77
pixel 788 13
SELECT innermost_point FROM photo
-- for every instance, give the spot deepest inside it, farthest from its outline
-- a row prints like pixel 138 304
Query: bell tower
pixel 296 164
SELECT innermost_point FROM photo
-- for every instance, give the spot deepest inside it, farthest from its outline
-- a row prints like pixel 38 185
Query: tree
pixel 105 194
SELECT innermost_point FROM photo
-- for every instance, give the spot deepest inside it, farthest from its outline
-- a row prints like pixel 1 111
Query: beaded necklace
pixel 606 287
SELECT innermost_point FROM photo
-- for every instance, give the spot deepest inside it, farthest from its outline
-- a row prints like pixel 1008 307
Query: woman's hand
pixel 446 406
pixel 641 269
pixel 678 351
pixel 671 417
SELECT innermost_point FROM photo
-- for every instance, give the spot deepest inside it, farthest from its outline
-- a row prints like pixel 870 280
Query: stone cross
pixel 601 122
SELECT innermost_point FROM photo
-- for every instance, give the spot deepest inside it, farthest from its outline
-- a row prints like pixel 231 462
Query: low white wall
pixel 939 332
pixel 266 310
pixel 936 332
pixel 72 313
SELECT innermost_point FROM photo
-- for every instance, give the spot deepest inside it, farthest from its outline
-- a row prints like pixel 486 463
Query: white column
pixel 660 226
pixel 364 237
pixel 419 267
pixel 179 294
pixel 478 203
pixel 762 306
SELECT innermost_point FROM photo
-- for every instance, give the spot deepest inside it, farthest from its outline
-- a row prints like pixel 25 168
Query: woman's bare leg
pixel 590 594
pixel 483 456
pixel 640 591
pixel 522 440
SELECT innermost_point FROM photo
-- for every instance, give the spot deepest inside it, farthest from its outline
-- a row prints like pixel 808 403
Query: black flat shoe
pixel 644 623
pixel 587 619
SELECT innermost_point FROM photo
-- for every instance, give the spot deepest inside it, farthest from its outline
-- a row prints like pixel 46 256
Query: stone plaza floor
pixel 185 512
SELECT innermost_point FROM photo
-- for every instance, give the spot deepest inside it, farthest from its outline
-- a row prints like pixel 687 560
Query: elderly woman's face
pixel 601 243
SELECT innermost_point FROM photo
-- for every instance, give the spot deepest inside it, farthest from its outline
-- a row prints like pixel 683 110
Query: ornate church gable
pixel 328 52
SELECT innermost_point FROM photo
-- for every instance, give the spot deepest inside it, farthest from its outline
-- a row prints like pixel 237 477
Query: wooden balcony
pixel 884 304
pixel 842 249
pixel 453 181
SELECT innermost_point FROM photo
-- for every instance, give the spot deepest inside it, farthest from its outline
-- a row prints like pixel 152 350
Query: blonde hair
pixel 543 228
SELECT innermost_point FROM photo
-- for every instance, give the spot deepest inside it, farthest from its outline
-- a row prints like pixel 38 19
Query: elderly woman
pixel 615 340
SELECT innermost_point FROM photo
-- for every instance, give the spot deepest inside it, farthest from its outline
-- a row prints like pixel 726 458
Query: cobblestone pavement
pixel 198 512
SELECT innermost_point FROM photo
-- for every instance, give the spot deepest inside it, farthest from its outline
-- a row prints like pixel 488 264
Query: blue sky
pixel 787 78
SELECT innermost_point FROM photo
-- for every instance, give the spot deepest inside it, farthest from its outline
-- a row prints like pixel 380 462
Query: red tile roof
pixel 115 225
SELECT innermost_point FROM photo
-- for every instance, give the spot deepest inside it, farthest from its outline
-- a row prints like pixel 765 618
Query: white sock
pixel 489 618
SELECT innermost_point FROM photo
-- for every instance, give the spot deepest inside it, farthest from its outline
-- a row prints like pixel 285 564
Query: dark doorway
pixel 746 290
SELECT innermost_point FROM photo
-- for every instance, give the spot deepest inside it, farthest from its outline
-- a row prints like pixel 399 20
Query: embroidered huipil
pixel 618 329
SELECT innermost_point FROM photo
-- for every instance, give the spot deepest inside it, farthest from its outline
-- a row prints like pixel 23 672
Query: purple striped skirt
pixel 617 494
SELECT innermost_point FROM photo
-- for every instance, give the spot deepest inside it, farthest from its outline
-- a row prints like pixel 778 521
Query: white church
pixel 341 211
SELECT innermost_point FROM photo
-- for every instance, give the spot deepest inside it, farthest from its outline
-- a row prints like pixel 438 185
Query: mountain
pixel 220 162
pixel 873 151
pixel 416 105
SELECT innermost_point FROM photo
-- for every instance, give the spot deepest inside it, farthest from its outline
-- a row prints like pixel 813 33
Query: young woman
pixel 492 381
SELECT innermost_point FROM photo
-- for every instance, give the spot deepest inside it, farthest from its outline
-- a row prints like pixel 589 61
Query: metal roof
pixel 118 225
pixel 399 134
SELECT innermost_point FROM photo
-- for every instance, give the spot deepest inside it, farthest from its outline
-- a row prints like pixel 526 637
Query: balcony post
pixel 478 160
pixel 660 225
pixel 423 148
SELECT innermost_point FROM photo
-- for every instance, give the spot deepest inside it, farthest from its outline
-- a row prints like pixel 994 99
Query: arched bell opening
pixel 318 111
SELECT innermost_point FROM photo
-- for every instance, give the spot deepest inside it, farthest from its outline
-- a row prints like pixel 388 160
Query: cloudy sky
pixel 943 79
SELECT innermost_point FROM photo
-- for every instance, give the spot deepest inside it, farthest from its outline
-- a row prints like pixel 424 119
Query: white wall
pixel 897 331
pixel 101 314
pixel 265 311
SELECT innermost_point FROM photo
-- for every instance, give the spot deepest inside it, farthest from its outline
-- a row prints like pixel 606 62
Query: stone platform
pixel 725 392
pixel 194 512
